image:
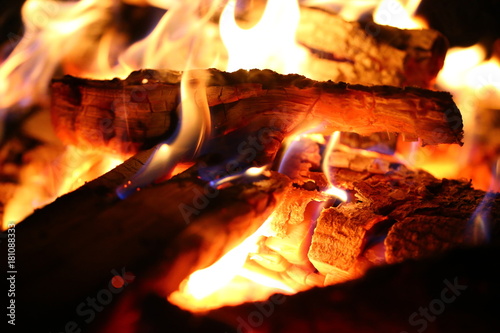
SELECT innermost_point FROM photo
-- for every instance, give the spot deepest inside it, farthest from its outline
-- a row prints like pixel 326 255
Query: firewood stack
pixel 394 215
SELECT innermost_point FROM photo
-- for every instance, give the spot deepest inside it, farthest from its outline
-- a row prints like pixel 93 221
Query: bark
pixel 359 52
pixel 418 215
pixel 72 248
pixel 124 116
pixel 69 249
pixel 367 53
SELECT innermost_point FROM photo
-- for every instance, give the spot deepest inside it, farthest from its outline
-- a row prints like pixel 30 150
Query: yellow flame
pixel 475 85
pixel 332 190
pixel 206 281
pixel 48 178
pixel 395 14
pixel 53 29
pixel 181 40
pixel 269 44
pixel 193 128
pixel 458 62
pixel 220 284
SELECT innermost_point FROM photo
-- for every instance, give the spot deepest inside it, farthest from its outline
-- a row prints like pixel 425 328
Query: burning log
pixel 449 293
pixel 360 52
pixel 124 116
pixel 167 230
pixel 391 218
pixel 367 53
pixel 147 233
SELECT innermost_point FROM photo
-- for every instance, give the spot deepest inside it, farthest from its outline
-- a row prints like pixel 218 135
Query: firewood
pixel 68 249
pixel 451 293
pixel 338 238
pixel 367 53
pixel 124 116
pixel 422 217
pixel 360 52
pixel 417 215
pixel 84 235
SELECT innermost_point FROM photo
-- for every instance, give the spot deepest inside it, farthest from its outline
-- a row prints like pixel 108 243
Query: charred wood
pixel 368 53
pixel 126 115
pixel 68 250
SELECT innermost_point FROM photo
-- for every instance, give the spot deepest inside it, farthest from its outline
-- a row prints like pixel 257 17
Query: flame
pixel 186 40
pixel 479 226
pixel 395 14
pixel 193 128
pixel 182 40
pixel 475 85
pixel 250 173
pixel 53 29
pixel 458 64
pixel 228 281
pixel 269 44
pixel 49 177
pixel 332 190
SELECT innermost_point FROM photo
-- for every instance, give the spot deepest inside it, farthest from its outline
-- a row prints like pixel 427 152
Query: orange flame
pixel 194 127
pixel 49 177
pixel 53 29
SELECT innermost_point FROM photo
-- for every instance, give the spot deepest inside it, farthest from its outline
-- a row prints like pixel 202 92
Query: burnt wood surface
pixel 68 250
pixel 453 292
pixel 414 214
pixel 126 115
pixel 368 53
pixel 72 248
pixel 449 293
pixel 360 52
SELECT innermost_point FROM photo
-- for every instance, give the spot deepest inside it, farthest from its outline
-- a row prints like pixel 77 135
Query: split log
pixel 68 250
pixel 390 218
pixel 452 293
pixel 418 215
pixel 125 116
pixel 367 53
pixel 84 235
pixel 393 214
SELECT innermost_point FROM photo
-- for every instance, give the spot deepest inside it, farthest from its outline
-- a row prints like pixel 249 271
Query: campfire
pixel 247 166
